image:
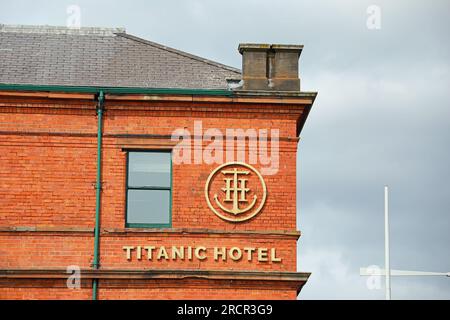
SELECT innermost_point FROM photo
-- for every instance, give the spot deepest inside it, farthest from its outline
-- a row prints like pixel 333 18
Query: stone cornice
pixel 162 278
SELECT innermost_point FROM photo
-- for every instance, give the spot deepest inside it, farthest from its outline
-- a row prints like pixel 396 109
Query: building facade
pixel 130 170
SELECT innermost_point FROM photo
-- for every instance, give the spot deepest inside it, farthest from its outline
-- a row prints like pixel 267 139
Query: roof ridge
pixel 179 52
pixel 20 28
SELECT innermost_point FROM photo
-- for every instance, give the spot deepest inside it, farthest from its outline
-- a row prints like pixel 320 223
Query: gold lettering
pixel 200 253
pixel 197 253
pixel 235 191
pixel 262 254
pixel 273 256
pixel 235 253
pixel 162 253
pixel 128 249
pixel 139 253
pixel 189 253
pixel 249 253
pixel 149 251
pixel 228 189
pixel 177 252
pixel 220 252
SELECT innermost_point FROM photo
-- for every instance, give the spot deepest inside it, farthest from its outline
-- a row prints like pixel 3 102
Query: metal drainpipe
pixel 98 189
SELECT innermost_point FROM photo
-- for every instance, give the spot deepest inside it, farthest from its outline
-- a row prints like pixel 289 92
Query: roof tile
pixel 103 57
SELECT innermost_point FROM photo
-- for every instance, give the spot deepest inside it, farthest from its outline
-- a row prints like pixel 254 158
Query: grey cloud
pixel 382 117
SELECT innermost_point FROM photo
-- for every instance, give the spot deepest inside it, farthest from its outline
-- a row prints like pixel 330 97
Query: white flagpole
pixel 387 272
pixel 386 243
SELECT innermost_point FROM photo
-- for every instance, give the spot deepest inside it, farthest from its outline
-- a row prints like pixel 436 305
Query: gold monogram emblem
pixel 238 190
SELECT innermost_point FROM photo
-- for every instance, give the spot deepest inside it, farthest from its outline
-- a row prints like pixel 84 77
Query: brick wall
pixel 47 176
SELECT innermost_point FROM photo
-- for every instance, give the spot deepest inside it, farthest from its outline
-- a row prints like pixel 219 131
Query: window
pixel 149 189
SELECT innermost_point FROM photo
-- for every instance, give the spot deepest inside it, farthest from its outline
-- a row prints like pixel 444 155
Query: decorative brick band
pixel 154 231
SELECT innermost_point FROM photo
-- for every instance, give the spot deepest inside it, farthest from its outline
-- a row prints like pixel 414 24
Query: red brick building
pixel 130 170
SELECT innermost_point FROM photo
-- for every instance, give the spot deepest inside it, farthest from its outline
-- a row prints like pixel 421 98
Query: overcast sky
pixel 382 116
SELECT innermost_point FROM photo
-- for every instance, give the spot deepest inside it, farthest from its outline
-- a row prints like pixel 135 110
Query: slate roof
pixel 101 57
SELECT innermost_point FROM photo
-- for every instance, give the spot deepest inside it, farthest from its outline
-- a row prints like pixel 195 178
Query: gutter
pixel 98 189
pixel 113 90
pixel 162 91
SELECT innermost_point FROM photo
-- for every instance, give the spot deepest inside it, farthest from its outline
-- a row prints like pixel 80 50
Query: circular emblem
pixel 235 191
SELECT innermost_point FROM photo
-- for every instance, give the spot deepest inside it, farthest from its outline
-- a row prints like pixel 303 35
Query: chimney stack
pixel 270 67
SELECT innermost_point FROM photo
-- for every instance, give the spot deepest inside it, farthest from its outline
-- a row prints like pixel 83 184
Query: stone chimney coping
pixel 253 46
pixel 265 47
